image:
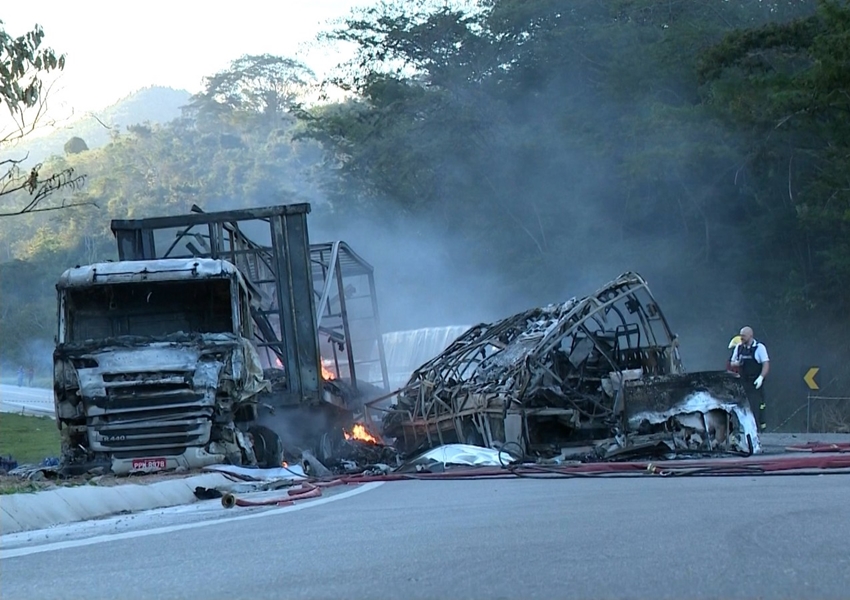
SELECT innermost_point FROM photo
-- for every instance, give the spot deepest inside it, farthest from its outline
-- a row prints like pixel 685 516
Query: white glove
pixel 759 380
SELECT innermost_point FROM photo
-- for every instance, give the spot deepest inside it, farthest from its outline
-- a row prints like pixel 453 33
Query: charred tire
pixel 268 448
pixel 325 448
pixel 329 445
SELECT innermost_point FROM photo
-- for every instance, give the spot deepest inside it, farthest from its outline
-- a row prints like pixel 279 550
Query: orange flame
pixel 327 374
pixel 359 432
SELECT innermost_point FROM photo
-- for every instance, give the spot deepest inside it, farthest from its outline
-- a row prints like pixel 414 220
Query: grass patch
pixel 28 439
pixel 16 486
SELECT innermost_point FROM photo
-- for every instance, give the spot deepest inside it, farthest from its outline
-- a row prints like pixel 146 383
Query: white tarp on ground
pixel 292 472
pixel 463 454
pixel 703 402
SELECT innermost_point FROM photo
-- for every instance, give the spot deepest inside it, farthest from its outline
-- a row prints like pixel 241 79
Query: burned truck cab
pixel 153 365
pixel 221 337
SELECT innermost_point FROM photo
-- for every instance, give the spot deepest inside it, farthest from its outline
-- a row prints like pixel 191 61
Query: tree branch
pixel 39 189
pixel 48 208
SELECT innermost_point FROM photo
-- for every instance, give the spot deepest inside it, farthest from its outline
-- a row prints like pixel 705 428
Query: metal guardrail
pixel 27 410
pixel 817 415
pixel 839 414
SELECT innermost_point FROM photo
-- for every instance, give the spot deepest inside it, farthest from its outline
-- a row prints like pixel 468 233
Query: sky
pixel 115 48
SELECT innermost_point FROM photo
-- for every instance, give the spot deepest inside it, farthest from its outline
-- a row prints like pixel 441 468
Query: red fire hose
pixel 305 492
pixel 750 466
pixel 723 466
pixel 820 447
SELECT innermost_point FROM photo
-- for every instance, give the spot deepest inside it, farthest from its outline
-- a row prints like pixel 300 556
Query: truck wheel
pixel 268 447
pixel 329 445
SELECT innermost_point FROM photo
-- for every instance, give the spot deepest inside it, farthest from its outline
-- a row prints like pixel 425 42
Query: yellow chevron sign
pixel 809 378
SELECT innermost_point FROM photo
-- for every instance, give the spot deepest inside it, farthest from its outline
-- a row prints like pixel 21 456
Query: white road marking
pixel 127 535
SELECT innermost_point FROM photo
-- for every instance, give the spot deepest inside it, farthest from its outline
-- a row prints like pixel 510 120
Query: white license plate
pixel 149 464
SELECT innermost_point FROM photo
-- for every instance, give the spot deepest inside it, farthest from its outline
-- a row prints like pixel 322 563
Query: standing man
pixel 753 364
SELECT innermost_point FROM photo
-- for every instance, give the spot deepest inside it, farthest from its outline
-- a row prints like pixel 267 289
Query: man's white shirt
pixel 760 354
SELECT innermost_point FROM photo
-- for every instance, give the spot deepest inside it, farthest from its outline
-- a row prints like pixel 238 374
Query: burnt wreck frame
pixel 550 377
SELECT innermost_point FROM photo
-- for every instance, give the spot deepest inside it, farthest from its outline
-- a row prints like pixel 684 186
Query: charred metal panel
pixel 148 299
pixel 296 307
pixel 658 394
pixel 691 411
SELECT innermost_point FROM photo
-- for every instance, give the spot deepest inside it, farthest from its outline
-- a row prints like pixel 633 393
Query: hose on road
pixel 749 467
pixel 305 492
pixel 718 467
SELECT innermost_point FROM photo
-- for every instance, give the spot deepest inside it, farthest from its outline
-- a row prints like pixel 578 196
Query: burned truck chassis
pixel 295 295
pixel 600 371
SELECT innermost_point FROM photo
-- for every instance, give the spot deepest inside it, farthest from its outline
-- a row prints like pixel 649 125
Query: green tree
pixel 534 122
pixel 263 84
pixel 75 145
pixel 24 63
pixel 788 86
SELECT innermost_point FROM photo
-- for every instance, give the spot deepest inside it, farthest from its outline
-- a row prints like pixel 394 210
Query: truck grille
pixel 153 413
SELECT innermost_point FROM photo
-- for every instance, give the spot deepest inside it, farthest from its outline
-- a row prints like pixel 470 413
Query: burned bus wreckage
pixel 215 338
pixel 596 378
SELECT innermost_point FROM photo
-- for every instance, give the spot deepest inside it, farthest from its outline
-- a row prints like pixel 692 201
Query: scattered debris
pixel 35 472
pixel 202 493
pixel 313 466
pixel 7 463
pixel 355 456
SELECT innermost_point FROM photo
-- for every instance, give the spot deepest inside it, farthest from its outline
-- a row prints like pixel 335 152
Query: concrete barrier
pixel 39 510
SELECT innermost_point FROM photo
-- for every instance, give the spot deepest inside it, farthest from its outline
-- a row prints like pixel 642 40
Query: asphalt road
pixel 744 537
pixel 26 400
